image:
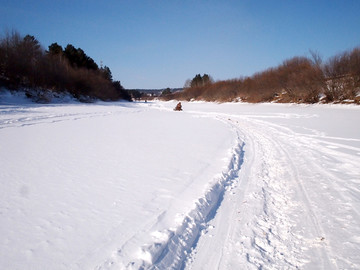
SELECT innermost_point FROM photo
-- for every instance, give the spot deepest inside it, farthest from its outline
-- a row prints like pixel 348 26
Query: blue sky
pixel 158 44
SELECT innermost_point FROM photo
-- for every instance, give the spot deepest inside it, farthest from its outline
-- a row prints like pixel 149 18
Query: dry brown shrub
pixel 342 74
pixel 298 79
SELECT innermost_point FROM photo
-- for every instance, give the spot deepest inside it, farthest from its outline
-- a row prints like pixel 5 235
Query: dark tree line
pixel 299 79
pixel 199 81
pixel 24 64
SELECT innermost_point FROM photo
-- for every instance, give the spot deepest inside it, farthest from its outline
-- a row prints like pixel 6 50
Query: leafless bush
pixel 342 74
pixel 297 80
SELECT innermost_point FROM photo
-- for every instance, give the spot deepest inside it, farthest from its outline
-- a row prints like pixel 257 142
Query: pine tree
pixel 106 73
pixel 55 49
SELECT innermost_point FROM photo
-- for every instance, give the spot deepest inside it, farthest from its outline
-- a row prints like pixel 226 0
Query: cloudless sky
pixel 161 43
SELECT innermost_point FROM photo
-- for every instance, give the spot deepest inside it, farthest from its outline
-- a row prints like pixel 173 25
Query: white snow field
pixel 216 186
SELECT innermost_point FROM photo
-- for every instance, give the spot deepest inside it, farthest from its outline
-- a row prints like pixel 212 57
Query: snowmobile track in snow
pixel 173 252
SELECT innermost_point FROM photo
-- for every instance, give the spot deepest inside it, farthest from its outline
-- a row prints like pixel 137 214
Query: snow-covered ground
pixel 217 186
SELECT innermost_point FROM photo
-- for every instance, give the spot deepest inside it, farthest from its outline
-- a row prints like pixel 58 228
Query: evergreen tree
pixel 55 49
pixel 122 93
pixel 30 54
pixel 167 91
pixel 206 79
pixel 199 80
pixel 196 81
pixel 70 53
pixel 78 58
pixel 106 73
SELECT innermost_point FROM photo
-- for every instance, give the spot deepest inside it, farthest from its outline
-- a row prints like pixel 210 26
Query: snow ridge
pixel 172 253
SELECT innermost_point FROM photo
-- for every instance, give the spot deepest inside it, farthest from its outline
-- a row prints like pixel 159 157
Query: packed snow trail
pixel 217 186
pixel 294 206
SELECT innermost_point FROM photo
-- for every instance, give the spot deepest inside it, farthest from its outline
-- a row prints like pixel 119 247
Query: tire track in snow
pixel 318 231
pixel 327 181
pixel 328 202
pixel 313 238
pixel 271 238
pixel 295 180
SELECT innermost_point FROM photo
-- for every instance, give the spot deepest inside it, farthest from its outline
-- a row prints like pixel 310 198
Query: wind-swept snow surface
pixel 139 186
